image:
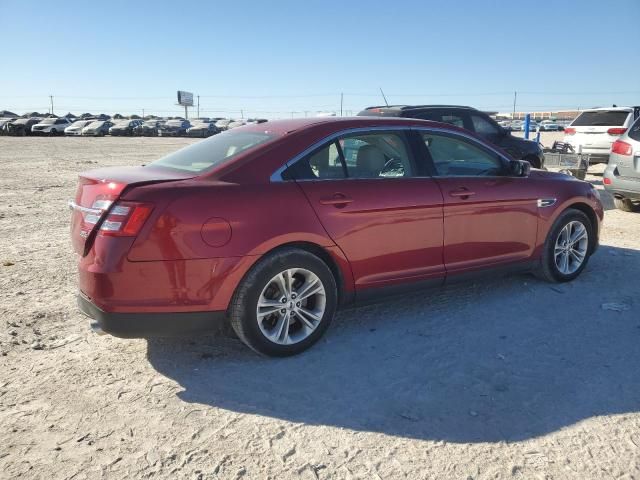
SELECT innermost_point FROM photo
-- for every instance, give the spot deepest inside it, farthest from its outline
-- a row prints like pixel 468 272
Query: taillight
pixel 607 181
pixel 125 219
pixel 616 131
pixel 621 148
pixel 569 131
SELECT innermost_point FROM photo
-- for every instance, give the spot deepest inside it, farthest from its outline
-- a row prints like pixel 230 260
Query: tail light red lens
pixel 621 148
pixel 125 219
pixel 607 181
pixel 569 131
pixel 616 131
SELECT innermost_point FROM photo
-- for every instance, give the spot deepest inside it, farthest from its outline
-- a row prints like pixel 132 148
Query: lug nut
pixel 298 304
pixel 283 300
pixel 283 311
pixel 293 295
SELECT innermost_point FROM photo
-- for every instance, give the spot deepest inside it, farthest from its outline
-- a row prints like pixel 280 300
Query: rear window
pixel 601 118
pixel 213 151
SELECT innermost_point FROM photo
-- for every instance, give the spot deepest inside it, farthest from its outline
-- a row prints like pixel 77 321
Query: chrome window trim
pixel 276 177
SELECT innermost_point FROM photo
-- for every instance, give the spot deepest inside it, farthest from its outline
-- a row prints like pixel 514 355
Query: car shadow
pixel 507 359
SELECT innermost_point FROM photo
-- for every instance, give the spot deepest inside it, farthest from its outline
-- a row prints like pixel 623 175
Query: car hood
pixel 544 174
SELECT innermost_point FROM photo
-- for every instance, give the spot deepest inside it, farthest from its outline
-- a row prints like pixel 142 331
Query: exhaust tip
pixel 95 326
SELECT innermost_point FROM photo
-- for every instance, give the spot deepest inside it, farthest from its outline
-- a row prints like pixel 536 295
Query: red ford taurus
pixel 274 226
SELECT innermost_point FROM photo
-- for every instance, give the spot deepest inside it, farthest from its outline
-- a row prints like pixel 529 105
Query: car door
pixel 490 217
pixel 386 218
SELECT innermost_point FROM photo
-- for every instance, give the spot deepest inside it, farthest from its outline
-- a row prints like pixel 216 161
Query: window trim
pixel 405 136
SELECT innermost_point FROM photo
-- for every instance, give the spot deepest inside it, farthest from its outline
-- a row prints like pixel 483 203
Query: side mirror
pixel 519 168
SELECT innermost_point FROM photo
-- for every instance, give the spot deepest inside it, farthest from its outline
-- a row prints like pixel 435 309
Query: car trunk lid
pixel 99 189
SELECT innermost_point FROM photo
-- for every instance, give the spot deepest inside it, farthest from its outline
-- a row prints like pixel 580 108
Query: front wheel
pixel 285 303
pixel 567 248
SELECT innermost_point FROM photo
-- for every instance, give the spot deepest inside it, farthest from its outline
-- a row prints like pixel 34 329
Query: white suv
pixel 593 131
pixel 51 126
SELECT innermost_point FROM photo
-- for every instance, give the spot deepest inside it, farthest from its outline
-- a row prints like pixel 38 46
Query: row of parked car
pixel 98 127
pixel 542 126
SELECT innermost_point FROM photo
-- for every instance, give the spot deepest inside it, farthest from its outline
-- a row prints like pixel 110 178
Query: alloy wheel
pixel 291 306
pixel 571 247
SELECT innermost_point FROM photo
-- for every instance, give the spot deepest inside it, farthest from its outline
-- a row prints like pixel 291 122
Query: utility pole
pixel 341 102
pixel 198 106
pixel 515 97
pixel 51 98
pixel 143 113
pixel 241 114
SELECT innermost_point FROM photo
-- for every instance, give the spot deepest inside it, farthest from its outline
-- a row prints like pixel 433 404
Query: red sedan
pixel 274 226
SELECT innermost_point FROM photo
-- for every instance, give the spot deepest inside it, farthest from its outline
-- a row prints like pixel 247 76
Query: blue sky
pixel 273 58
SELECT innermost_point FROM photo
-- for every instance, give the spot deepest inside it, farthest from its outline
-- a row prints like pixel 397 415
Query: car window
pixel 604 118
pixel 322 164
pixel 371 155
pixel 444 117
pixel 456 157
pixel 483 127
pixel 376 155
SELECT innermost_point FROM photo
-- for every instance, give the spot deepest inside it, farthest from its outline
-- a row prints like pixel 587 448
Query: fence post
pixel 527 122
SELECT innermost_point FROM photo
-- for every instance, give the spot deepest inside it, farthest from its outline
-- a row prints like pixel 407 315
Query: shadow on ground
pixel 506 359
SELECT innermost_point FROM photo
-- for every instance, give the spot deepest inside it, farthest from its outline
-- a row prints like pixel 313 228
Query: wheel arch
pixel 591 215
pixel 333 258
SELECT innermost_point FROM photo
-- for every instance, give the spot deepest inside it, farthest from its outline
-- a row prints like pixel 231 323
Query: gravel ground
pixel 505 378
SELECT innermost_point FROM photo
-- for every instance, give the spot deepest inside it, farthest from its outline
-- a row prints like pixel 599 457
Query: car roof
pixel 398 109
pixel 609 109
pixel 283 127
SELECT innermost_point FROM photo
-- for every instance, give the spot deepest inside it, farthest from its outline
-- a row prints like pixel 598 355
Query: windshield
pixel 95 124
pixel 601 118
pixel 80 123
pixel 122 123
pixel 48 121
pixel 212 152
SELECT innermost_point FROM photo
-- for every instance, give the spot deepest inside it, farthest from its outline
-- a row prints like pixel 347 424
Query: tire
pixel 53 132
pixel 555 249
pixel 101 134
pixel 624 204
pixel 261 284
pixel 534 161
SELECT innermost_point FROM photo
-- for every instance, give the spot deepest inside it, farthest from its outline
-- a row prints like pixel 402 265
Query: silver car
pixel 622 175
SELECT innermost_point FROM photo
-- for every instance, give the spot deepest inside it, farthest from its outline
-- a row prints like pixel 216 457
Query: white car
pixel 51 126
pixel 594 130
pixel 76 127
pixel 549 126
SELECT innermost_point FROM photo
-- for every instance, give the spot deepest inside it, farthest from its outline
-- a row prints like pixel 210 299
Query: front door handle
pixel 338 200
pixel 462 193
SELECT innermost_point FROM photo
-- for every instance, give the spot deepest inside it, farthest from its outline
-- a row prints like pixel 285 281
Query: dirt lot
pixel 508 378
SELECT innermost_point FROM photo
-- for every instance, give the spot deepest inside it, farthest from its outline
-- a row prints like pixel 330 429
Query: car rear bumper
pixel 144 325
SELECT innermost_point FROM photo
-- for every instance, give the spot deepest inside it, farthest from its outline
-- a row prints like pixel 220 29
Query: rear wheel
pixel 567 247
pixel 285 303
pixel 624 204
pixel 53 132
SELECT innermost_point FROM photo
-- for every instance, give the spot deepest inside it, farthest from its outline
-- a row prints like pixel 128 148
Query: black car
pixel 174 128
pixel 124 127
pixel 202 129
pixel 22 126
pixel 149 128
pixel 470 119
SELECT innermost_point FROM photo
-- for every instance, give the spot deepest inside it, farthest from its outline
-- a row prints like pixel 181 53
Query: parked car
pixel 50 126
pixel 4 125
pixel 373 207
pixel 124 127
pixel 622 175
pixel 236 123
pixel 75 129
pixel 148 128
pixel 594 131
pixel 97 128
pixel 202 129
pixel 223 123
pixel 549 126
pixel 174 128
pixel 22 126
pixel 470 119
pixel 517 126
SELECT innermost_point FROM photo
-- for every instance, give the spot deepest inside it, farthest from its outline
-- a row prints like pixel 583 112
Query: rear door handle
pixel 338 200
pixel 461 192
